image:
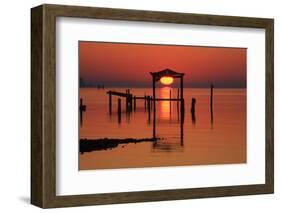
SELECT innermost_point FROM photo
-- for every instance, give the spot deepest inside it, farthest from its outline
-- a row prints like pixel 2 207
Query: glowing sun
pixel 167 80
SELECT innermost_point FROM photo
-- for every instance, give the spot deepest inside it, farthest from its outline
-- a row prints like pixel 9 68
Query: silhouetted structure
pixel 131 102
pixel 126 95
pixel 192 110
pixel 170 102
pixel 135 103
pixel 211 104
pixel 149 101
pixel 156 76
pixel 82 108
pixel 119 110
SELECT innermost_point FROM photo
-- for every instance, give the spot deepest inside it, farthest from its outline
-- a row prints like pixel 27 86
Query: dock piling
pixel 211 104
pixel 211 97
pixel 110 103
pixel 145 101
pixel 148 108
pixel 135 103
pixel 170 101
pixel 131 102
pixel 119 110
pixel 192 110
pixel 82 108
pixel 148 103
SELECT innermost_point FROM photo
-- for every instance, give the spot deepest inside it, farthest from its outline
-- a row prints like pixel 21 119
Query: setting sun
pixel 167 80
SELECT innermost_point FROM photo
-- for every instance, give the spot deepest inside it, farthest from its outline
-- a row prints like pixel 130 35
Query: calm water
pixel 203 141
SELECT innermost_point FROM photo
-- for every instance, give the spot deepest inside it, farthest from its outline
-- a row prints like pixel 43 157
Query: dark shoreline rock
pixel 88 145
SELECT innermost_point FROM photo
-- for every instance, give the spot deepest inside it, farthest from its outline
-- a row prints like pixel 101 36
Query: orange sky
pixel 128 65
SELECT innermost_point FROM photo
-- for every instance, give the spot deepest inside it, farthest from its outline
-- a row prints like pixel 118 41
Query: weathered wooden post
pixel 131 102
pixel 182 100
pixel 211 97
pixel 211 104
pixel 110 102
pixel 193 102
pixel 145 101
pixel 181 88
pixel 192 110
pixel 154 122
pixel 170 101
pixel 183 110
pixel 148 103
pixel 154 93
pixel 119 110
pixel 148 108
pixel 81 112
pixel 82 108
pixel 178 99
pixel 135 104
pixel 127 101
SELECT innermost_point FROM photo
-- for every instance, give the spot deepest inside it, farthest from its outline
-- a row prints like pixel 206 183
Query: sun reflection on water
pixel 165 106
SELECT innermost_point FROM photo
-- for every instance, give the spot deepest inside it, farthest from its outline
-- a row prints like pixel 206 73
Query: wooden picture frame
pixel 43 105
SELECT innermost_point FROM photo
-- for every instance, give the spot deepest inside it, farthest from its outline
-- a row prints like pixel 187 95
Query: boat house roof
pixel 166 73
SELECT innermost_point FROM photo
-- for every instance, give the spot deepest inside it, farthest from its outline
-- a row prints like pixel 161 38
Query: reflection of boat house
pixel 156 76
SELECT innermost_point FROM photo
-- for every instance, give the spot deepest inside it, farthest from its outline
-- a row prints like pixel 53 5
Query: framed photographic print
pixel 136 106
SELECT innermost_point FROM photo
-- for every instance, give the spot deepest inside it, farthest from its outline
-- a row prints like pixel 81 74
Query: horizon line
pixel 95 87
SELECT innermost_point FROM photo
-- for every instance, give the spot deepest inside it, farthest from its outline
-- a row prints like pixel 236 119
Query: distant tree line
pixel 84 84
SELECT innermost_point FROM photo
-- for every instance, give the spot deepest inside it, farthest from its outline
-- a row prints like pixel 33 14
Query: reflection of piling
pixel 181 131
pixel 192 110
pixel 119 110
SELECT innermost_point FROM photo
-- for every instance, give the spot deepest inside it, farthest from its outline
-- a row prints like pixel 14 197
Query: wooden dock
pixel 131 102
